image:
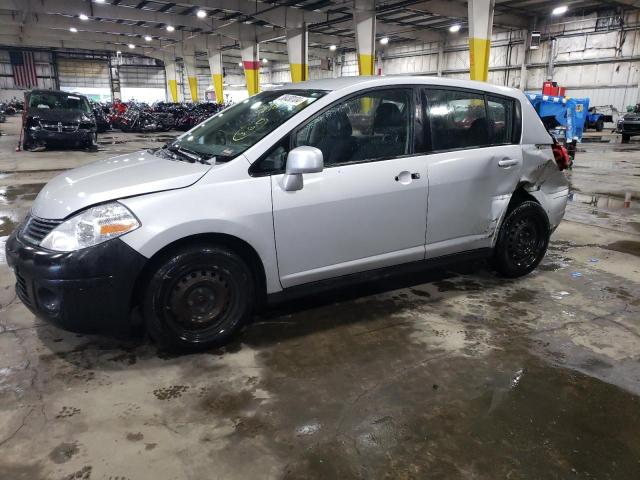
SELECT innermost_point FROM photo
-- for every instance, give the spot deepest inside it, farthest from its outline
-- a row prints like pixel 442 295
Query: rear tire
pixel 198 297
pixel 626 138
pixel 522 240
pixel 599 125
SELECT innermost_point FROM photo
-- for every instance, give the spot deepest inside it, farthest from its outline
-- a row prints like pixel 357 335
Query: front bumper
pixel 628 128
pixel 88 290
pixel 78 138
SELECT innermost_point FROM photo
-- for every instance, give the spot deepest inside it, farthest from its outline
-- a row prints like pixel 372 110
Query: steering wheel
pixel 219 137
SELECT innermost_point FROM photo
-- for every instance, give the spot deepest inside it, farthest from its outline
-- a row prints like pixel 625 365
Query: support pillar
pixel 364 18
pixel 215 65
pixel 480 26
pixel 525 60
pixel 298 51
pixel 440 59
pixel 251 63
pixel 189 58
pixel 170 71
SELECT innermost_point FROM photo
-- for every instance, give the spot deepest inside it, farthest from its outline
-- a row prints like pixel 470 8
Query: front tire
pixel 626 138
pixel 522 240
pixel 92 143
pixel 198 297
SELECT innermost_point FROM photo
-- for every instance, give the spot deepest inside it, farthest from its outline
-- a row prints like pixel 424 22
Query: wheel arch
pixel 233 243
pixel 519 195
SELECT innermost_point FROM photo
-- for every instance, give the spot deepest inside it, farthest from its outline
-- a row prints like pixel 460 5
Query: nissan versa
pixel 292 188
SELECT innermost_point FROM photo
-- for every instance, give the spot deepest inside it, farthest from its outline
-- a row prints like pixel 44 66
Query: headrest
pixel 388 115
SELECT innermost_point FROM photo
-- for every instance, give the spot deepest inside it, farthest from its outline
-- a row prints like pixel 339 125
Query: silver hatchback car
pixel 292 189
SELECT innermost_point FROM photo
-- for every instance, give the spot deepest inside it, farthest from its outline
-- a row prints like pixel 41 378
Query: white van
pixel 291 190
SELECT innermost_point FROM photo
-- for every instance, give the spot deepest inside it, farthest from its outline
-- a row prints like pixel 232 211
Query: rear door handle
pixel 507 162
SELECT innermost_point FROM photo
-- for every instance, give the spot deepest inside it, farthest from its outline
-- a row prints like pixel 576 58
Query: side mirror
pixel 301 160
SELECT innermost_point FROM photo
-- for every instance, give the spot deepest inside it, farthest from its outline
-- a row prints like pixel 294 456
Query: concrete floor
pixel 443 375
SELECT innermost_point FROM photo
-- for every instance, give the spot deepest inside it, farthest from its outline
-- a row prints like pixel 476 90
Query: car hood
pixel 119 177
pixel 58 115
pixel 633 117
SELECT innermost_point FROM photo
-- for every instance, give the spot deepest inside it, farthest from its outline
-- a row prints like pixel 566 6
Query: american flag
pixel 24 69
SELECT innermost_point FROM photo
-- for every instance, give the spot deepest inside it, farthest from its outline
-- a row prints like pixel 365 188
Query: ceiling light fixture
pixel 100 1
pixel 170 28
pixel 239 64
pixel 560 10
pixel 384 40
pixel 132 46
pixel 454 28
pixel 73 30
pixel 82 16
pixel 265 60
pixel 148 38
pixel 201 14
pixel 333 48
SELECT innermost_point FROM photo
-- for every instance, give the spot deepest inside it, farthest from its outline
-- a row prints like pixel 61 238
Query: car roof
pixel 43 90
pixel 337 84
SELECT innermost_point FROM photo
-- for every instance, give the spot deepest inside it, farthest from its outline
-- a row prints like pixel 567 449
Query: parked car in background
pixel 61 119
pixel 629 124
pixel 290 191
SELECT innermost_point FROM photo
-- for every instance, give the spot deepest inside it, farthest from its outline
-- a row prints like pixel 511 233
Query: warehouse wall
pixel 593 58
pixel 44 71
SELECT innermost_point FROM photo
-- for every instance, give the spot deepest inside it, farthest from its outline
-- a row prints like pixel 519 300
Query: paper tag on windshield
pixel 291 100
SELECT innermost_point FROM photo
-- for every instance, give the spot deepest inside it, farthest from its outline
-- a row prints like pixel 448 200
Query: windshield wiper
pixel 190 155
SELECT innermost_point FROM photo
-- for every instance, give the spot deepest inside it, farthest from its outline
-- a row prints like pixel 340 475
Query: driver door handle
pixel 507 162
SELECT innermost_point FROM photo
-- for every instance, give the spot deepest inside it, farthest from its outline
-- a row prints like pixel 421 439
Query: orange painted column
pixel 251 65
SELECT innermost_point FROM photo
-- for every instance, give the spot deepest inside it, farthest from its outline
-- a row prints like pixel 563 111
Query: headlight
pixel 91 227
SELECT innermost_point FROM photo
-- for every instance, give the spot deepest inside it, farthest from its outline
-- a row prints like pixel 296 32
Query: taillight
pixel 561 156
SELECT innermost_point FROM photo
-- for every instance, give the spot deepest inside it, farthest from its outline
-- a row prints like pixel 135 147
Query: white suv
pixel 294 187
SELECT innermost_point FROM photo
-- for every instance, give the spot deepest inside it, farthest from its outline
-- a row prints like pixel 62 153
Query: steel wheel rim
pixel 197 302
pixel 524 242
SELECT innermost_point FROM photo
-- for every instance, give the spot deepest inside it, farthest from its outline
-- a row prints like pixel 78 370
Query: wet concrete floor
pixel 449 374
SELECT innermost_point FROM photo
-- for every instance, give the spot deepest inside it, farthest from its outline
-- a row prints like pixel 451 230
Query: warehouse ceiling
pixel 152 26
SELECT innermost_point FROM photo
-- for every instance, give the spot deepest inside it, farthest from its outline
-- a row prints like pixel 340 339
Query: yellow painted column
pixel 172 82
pixel 364 18
pixel 480 28
pixel 192 79
pixel 251 64
pixel 297 49
pixel 215 65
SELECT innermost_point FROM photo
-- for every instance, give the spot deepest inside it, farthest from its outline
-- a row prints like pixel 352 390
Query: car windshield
pixel 58 101
pixel 232 131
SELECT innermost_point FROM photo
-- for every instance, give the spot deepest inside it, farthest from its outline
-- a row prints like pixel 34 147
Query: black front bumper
pixel 628 128
pixel 76 139
pixel 88 290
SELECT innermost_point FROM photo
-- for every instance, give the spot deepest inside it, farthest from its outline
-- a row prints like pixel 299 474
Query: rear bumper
pixel 88 290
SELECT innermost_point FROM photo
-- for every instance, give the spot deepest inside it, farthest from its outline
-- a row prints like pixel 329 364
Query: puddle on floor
pixel 606 201
pixel 631 247
pixel 7 225
pixel 27 191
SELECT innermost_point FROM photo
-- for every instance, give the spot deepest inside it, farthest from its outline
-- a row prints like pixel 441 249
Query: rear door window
pixel 457 119
pixel 500 113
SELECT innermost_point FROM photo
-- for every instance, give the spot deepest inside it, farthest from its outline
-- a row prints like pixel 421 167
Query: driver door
pixel 367 209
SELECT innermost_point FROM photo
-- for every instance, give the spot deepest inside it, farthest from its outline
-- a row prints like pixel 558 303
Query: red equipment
pixel 552 89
